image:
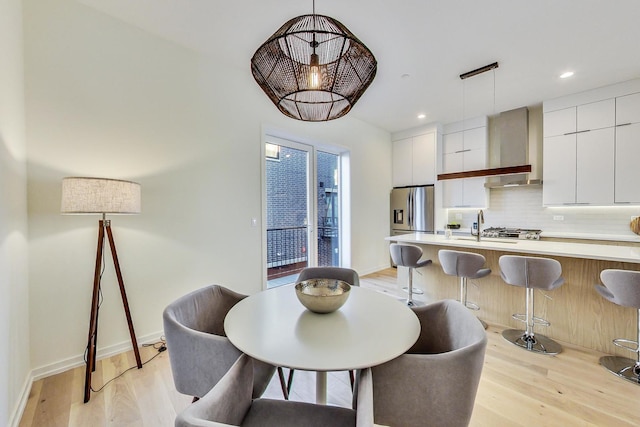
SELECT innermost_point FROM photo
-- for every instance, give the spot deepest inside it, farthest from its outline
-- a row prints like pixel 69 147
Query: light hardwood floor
pixel 516 389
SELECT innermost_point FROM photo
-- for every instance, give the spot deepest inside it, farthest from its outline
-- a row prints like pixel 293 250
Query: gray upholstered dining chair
pixel 348 275
pixel 435 382
pixel 229 403
pixel 199 352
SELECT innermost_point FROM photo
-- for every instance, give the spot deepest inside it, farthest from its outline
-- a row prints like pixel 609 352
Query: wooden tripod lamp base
pixel 92 340
pixel 81 195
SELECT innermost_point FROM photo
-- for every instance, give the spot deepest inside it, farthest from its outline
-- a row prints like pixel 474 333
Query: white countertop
pixel 538 247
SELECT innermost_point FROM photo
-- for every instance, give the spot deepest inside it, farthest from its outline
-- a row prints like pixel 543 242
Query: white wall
pixel 106 99
pixel 14 309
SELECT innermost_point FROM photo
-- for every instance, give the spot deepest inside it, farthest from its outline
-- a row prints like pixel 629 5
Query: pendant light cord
pixel 464 85
pixel 494 91
pixel 314 17
pixel 314 26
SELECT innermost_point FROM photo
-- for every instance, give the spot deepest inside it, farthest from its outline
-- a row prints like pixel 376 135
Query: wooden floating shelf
pixel 510 170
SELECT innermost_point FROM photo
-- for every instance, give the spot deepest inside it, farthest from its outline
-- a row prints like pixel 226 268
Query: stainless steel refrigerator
pixel 412 210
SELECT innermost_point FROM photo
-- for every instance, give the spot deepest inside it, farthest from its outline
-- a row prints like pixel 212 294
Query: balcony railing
pixel 287 245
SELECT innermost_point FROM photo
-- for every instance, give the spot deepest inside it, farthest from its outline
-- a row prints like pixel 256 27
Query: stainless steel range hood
pixel 509 136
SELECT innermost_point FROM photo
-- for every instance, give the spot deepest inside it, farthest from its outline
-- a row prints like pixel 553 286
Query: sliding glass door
pixel 302 209
pixel 328 217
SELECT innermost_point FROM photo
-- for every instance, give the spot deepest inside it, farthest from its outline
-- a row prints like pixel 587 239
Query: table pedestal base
pixel 321 388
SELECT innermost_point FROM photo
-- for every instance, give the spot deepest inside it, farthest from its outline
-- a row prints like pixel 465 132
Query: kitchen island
pixel 577 313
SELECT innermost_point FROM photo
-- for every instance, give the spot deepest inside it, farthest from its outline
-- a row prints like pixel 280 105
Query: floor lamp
pixel 102 196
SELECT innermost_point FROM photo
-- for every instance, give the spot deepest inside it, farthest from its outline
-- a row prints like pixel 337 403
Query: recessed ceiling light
pixel 405 76
pixel 566 75
pixel 422 116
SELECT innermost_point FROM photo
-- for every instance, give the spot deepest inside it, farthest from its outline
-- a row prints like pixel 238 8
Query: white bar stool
pixel 531 273
pixel 465 265
pixel 622 287
pixel 408 256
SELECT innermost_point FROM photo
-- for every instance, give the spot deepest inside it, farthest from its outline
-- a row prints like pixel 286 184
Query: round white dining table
pixel 369 329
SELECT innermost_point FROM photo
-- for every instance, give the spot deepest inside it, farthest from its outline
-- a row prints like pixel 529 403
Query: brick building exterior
pixel 287 244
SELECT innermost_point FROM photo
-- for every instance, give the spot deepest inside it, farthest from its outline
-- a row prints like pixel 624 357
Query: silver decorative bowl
pixel 322 295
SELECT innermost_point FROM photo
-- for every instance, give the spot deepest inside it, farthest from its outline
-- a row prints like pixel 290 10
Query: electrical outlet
pixel 558 217
pixel 254 222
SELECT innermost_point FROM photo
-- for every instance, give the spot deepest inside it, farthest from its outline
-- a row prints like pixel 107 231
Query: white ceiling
pixel 432 41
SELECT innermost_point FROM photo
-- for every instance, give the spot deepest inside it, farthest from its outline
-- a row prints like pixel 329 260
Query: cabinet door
pixel 474 160
pixel 595 167
pixel 452 162
pixel 559 170
pixel 596 115
pixel 474 194
pixel 475 139
pixel 628 109
pixel 402 160
pixel 452 193
pixel 452 188
pixel 452 142
pixel 627 170
pixel 424 160
pixel 559 122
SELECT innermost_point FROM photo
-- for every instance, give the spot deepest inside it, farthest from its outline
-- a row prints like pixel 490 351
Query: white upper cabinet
pixel 591 141
pixel 627 171
pixel 628 109
pixel 414 160
pixel 464 148
pixel 595 167
pixel 559 162
pixel 402 162
pixel 579 165
pixel 424 159
pixel 596 115
pixel 559 122
pixel 452 142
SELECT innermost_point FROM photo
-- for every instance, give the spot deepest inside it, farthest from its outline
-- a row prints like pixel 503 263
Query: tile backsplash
pixel 522 207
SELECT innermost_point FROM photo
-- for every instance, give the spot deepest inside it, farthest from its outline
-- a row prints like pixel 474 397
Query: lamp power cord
pixel 160 346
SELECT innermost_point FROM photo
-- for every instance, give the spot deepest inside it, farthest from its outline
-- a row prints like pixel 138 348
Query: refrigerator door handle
pixel 410 208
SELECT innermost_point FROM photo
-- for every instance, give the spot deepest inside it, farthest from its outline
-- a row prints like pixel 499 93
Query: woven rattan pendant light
pixel 313 68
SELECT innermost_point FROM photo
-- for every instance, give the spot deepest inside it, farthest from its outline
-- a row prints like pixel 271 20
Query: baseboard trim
pixel 16 416
pixel 75 361
pixel 70 363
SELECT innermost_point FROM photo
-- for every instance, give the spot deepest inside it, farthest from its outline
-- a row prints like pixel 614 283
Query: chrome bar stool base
pixel 536 343
pixel 416 291
pixel 411 303
pixel 622 367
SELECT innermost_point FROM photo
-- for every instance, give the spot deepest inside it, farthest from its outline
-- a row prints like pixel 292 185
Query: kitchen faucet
pixel 479 220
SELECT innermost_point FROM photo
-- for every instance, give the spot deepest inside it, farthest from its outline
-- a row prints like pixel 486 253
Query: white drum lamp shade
pixel 82 195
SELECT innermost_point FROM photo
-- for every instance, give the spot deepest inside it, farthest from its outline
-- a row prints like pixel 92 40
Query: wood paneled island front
pixel 577 313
